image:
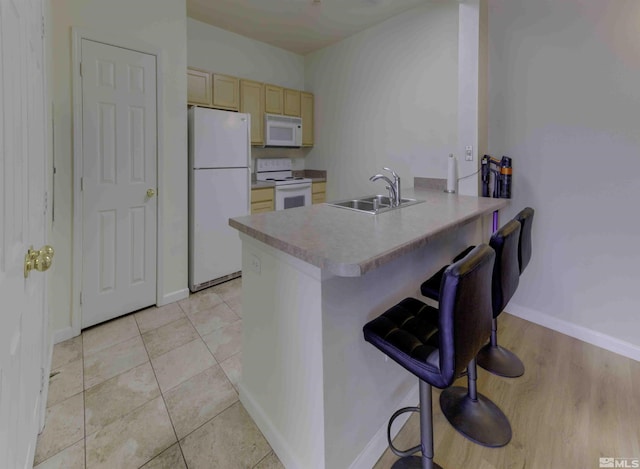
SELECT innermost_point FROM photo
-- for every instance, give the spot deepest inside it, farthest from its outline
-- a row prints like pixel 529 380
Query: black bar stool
pixel 493 357
pixel 511 258
pixel 525 217
pixel 437 345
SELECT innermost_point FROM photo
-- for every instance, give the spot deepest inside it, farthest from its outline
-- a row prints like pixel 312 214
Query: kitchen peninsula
pixel 312 277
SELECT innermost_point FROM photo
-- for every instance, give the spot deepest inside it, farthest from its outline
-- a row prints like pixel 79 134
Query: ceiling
pixel 300 26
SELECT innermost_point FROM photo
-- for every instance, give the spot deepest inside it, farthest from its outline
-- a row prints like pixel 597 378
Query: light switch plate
pixel 468 153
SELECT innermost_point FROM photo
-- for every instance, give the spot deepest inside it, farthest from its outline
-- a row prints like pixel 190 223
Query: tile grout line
pixel 218 365
pixel 161 395
pixel 132 314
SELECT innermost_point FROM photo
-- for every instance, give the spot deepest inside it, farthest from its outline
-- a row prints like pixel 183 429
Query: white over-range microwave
pixel 282 131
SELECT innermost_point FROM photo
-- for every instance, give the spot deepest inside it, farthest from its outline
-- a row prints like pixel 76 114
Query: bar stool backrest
pixel 525 217
pixel 506 271
pixel 465 312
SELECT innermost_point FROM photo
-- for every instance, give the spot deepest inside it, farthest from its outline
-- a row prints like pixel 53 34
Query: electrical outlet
pixel 468 153
pixel 255 263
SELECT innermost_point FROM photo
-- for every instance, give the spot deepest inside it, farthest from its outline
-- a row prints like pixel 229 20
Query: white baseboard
pixel 378 444
pixel 367 458
pixel 279 445
pixel 585 334
pixel 173 297
pixel 67 333
pixel 63 334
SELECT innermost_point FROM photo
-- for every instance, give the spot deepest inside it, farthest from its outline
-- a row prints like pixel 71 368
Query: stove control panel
pixel 273 164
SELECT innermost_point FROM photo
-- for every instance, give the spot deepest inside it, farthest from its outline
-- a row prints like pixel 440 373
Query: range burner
pixel 278 171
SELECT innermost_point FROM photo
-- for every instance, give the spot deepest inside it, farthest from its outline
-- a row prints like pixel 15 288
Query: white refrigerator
pixel 219 185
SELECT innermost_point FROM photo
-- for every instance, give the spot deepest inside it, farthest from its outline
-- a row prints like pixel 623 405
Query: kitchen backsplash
pixel 429 183
pixel 293 153
pixel 310 173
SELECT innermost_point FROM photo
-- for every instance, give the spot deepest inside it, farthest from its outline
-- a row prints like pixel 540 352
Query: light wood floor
pixel 574 404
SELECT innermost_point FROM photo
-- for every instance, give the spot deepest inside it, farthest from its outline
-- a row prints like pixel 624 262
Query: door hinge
pixel 80 68
pixel 42 18
pixel 81 298
pixel 42 383
pixel 81 184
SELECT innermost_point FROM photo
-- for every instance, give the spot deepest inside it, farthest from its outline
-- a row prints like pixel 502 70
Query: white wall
pixel 218 50
pixel 565 105
pixel 386 96
pixel 161 23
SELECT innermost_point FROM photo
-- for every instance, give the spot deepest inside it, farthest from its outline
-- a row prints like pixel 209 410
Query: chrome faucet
pixel 393 186
pixel 390 187
pixel 396 185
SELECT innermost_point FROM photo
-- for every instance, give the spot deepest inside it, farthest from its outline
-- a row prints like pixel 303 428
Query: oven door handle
pixel 294 187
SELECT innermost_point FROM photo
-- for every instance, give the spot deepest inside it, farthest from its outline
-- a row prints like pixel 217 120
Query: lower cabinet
pixel 262 200
pixel 318 192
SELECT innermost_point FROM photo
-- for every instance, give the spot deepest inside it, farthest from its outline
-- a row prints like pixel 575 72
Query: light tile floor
pixel 154 389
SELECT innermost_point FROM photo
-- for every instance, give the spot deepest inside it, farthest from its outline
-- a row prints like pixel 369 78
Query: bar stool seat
pixel 437 345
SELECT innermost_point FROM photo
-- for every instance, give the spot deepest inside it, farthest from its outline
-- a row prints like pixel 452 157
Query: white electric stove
pixel 290 191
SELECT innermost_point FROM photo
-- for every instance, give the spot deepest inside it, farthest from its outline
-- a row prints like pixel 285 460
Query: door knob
pixel 42 263
pixel 38 259
pixel 150 193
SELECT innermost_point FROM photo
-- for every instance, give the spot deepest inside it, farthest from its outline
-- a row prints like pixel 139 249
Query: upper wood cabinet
pixel 226 92
pixel 306 112
pixel 198 87
pixel 221 91
pixel 252 102
pixel 273 99
pixel 291 103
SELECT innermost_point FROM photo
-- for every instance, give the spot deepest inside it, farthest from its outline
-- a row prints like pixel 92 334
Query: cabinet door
pixel 273 100
pixel 292 103
pixel 252 102
pixel 318 192
pixel 262 200
pixel 226 92
pixel 306 112
pixel 198 87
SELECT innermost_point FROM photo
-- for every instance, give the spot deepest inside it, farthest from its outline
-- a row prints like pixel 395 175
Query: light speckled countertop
pixel 261 184
pixel 349 243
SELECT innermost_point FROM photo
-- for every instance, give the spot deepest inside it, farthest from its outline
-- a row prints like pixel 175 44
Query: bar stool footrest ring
pixel 395 450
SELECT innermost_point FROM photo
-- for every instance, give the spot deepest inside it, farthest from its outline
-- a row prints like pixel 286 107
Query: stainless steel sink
pixel 373 204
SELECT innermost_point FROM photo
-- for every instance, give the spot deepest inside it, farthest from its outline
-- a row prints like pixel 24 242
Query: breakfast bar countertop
pixel 349 243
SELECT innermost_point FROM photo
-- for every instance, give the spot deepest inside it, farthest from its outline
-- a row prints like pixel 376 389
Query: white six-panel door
pixel 22 224
pixel 119 181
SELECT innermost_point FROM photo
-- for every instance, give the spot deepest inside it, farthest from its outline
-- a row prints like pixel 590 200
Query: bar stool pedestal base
pixel 479 420
pixel 500 361
pixel 413 462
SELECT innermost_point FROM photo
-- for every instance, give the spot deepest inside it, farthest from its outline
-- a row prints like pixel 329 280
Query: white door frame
pixel 117 39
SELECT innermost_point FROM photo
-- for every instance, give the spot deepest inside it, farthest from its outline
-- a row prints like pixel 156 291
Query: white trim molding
pixel 576 331
pixel 371 453
pixel 173 297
